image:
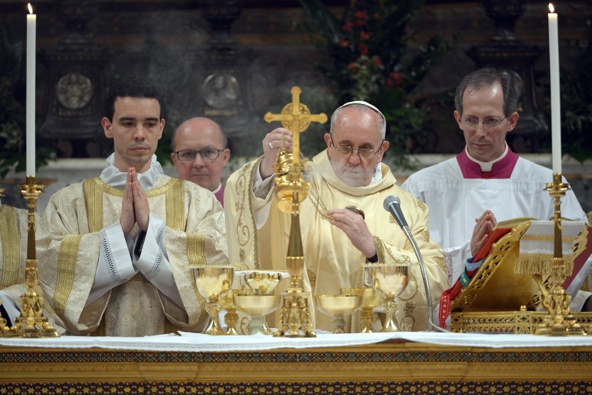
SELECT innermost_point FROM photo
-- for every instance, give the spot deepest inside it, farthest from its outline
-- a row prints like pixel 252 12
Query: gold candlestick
pixel 559 321
pixel 32 322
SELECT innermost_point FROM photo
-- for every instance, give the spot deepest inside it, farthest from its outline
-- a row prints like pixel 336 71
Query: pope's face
pixel 484 123
pixel 356 129
pixel 135 130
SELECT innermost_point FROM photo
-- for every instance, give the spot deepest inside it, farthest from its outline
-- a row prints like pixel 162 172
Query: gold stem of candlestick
pixel 32 322
pixel 559 321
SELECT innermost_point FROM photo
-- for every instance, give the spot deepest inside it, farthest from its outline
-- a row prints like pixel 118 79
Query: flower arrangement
pixel 368 58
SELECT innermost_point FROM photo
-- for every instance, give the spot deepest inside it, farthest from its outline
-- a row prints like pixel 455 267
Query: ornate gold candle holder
pixel 31 322
pixel 559 321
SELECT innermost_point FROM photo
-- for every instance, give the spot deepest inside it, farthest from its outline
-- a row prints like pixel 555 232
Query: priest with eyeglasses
pixel 487 182
pixel 343 222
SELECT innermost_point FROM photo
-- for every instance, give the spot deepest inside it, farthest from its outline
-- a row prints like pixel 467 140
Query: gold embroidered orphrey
pixel 291 189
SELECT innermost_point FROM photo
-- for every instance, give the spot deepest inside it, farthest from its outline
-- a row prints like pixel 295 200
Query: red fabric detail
pixel 448 296
pixel 220 196
pixel 501 169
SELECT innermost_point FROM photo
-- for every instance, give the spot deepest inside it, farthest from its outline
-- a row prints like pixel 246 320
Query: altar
pixel 374 363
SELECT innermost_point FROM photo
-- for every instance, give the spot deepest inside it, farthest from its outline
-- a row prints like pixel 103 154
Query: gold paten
pixel 291 189
pixel 32 322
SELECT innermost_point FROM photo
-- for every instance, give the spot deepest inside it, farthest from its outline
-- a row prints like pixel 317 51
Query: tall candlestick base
pixel 32 322
pixel 559 321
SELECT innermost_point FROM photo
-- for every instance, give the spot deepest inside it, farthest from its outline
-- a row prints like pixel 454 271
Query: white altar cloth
pixel 192 342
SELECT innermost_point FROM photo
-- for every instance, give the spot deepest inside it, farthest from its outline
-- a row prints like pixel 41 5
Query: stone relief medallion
pixel 74 91
pixel 221 90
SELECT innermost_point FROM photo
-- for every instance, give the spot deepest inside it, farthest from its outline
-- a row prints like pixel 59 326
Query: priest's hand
pixel 141 207
pixel 355 228
pixel 272 144
pixel 128 216
pixel 483 228
pixel 135 207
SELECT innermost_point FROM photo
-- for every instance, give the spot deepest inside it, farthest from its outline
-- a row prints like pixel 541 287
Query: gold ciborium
pixel 389 281
pixel 262 281
pixel 257 306
pixel 338 307
pixel 212 281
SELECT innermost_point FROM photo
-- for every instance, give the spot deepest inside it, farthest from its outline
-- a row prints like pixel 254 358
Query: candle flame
pixel 30 8
pixel 551 8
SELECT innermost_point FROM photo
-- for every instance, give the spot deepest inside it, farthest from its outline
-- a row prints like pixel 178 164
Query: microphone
pixel 392 204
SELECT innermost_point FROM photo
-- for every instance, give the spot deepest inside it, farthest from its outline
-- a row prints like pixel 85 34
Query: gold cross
pixel 296 117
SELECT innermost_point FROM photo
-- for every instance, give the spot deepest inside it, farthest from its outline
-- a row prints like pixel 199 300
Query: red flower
pixel 397 78
pixel 389 82
pixel 377 61
pixel 344 43
pixel 365 35
pixel 352 67
pixel 347 27
pixel 361 15
pixel 363 48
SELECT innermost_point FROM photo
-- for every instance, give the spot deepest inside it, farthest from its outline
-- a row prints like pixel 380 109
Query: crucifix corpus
pixel 296 117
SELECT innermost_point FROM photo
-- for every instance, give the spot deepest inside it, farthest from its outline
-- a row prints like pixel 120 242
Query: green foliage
pixel 369 58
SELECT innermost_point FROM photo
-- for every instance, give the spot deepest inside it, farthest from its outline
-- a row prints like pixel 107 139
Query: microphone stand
pixel 398 215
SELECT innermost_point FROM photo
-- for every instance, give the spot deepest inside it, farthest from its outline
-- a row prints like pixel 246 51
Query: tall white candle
pixel 30 111
pixel 555 92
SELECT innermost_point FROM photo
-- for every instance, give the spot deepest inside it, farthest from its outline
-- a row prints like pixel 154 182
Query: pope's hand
pixel 354 226
pixel 483 228
pixel 271 144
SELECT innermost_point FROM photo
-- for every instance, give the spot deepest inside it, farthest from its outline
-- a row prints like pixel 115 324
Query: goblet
pixel 389 281
pixel 338 307
pixel 369 301
pixel 211 282
pixel 257 306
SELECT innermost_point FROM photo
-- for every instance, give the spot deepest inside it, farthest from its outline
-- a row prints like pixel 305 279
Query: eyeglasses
pixel 188 155
pixel 364 153
pixel 488 123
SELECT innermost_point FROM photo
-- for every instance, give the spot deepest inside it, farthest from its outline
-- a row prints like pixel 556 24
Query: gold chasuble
pixel 13 252
pixel 69 246
pixel 331 260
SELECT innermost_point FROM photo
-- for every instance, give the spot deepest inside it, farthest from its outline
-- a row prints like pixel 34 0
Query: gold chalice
pixel 212 281
pixel 257 306
pixel 389 281
pixel 338 307
pixel 369 301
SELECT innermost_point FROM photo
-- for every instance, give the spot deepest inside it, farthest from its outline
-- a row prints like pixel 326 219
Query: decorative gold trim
pixel 66 268
pixel 11 247
pixel 175 203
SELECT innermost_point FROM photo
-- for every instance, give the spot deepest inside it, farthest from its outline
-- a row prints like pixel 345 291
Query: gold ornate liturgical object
pixel 291 189
pixel 559 321
pixel 32 322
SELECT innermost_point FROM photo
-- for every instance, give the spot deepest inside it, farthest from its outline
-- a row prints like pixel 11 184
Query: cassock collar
pixel 116 178
pixel 323 168
pixel 501 167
